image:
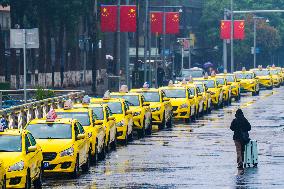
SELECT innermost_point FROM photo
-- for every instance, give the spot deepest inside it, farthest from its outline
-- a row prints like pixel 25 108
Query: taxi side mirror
pixel 32 149
pixel 146 104
pixel 128 112
pixel 166 99
pixel 199 94
pixel 99 122
pixel 111 118
pixel 80 136
pixel 191 96
pixel 219 86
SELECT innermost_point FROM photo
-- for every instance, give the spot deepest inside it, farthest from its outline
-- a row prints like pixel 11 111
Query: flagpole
pixel 118 42
pixel 225 59
pixel 164 34
pixel 232 36
pixel 127 56
pixel 146 40
pixel 156 62
pixel 149 49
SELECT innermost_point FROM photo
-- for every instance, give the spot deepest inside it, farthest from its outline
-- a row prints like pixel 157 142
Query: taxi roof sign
pixel 171 83
pixel 123 89
pixel 107 95
pixel 86 100
pixel 184 81
pixel 51 115
pixel 225 71
pixel 206 76
pixel 146 85
pixel 244 69
pixel 68 105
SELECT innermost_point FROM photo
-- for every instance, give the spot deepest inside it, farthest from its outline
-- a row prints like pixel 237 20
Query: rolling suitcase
pixel 251 154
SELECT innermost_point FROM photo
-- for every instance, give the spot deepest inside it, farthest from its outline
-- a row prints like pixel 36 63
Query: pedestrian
pixel 160 75
pixel 240 126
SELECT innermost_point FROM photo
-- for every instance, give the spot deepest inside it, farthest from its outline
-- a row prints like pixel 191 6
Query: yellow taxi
pixel 181 99
pixel 2 175
pixel 64 142
pixel 103 116
pixel 123 116
pixel 96 134
pixel 213 88
pixel 161 110
pixel 264 77
pixel 235 85
pixel 22 158
pixel 140 110
pixel 227 91
pixel 276 76
pixel 206 96
pixel 248 81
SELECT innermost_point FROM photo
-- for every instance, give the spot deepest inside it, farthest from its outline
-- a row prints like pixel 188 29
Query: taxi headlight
pixel 17 166
pixel 136 113
pixel 90 135
pixel 67 152
pixel 212 93
pixel 184 106
pixel 155 109
pixel 252 82
pixel 120 124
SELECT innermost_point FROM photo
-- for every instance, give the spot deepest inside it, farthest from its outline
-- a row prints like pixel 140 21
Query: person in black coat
pixel 240 126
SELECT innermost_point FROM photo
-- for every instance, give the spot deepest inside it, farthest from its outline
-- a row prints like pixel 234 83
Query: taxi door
pixel 31 158
pixel 100 129
pixel 81 143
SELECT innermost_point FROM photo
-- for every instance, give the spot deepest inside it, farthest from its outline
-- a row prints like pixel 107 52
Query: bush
pixel 41 93
pixel 4 86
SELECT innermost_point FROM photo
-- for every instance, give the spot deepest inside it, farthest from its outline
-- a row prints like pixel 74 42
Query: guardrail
pixel 18 116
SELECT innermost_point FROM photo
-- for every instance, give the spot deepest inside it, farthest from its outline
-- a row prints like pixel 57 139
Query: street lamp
pixel 255 18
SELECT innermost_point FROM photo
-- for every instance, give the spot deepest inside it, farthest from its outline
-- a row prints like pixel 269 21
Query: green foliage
pixel 41 93
pixel 269 39
pixel 4 86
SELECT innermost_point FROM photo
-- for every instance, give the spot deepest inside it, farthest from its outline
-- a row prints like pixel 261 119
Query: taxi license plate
pixel 45 164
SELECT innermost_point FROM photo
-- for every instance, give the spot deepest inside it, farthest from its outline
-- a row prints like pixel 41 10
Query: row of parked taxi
pixel 70 139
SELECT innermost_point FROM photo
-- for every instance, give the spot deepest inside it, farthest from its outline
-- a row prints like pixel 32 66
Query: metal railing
pixel 18 116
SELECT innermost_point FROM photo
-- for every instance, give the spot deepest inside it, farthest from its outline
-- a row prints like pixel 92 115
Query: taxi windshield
pixel 151 96
pixel 50 130
pixel 208 83
pixel 244 76
pixel 230 78
pixel 221 81
pixel 99 113
pixel 274 72
pixel 82 117
pixel 200 87
pixel 192 73
pixel 133 100
pixel 261 72
pixel 175 93
pixel 10 143
pixel 115 107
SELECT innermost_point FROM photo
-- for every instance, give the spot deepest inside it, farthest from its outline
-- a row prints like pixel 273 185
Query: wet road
pixel 198 155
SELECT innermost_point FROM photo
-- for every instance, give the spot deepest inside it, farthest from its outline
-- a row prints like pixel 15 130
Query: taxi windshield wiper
pixel 5 151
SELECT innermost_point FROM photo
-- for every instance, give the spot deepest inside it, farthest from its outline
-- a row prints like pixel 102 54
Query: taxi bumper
pixel 181 113
pixel 59 164
pixel 121 132
pixel 157 117
pixel 248 87
pixel 16 179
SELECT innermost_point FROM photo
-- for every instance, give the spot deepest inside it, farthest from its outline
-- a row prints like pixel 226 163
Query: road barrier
pixel 18 116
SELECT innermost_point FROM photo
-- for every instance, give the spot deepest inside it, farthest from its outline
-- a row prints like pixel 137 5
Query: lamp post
pixel 255 18
pixel 232 36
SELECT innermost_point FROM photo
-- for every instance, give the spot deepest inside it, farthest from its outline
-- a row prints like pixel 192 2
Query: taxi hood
pixel 10 158
pixel 178 101
pixel 155 104
pixel 134 108
pixel 54 145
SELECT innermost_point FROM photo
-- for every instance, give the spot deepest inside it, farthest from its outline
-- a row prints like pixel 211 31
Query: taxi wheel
pixel 163 124
pixel 108 144
pixel 125 141
pixel 94 158
pixel 38 182
pixel 270 88
pixel 149 130
pixel 28 180
pixel 102 155
pixel 114 143
pixel 86 166
pixel 141 132
pixel 75 172
pixel 170 122
pixel 4 183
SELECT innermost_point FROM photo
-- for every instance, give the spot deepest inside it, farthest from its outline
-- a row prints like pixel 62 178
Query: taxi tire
pixel 141 132
pixel 149 130
pixel 102 155
pixel 163 124
pixel 114 143
pixel 28 184
pixel 108 144
pixel 94 158
pixel 75 173
pixel 170 122
pixel 38 182
pixel 4 183
pixel 125 141
pixel 86 166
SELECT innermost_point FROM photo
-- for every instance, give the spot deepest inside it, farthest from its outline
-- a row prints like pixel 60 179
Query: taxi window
pixel 200 88
pixel 82 117
pixel 132 99
pixel 274 72
pixel 151 96
pixel 221 81
pixel 175 93
pixel 230 78
pixel 81 129
pixel 244 75
pixel 10 143
pixel 210 83
pixel 115 107
pixel 191 91
pixel 50 130
pixel 27 142
pixel 99 113
pixel 32 139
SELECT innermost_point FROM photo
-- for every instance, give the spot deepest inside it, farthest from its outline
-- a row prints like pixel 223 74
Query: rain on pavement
pixel 196 155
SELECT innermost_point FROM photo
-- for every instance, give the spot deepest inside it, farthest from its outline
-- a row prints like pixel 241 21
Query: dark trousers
pixel 240 148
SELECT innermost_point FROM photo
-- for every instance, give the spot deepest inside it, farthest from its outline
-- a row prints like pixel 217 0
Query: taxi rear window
pixel 10 143
pixel 51 130
pixel 82 117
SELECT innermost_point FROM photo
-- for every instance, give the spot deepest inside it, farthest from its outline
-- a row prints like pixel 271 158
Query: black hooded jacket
pixel 239 124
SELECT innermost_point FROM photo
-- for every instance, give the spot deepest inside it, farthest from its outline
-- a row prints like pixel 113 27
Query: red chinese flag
pixel 239 29
pixel 128 18
pixel 172 22
pixel 109 18
pixel 156 22
pixel 225 29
